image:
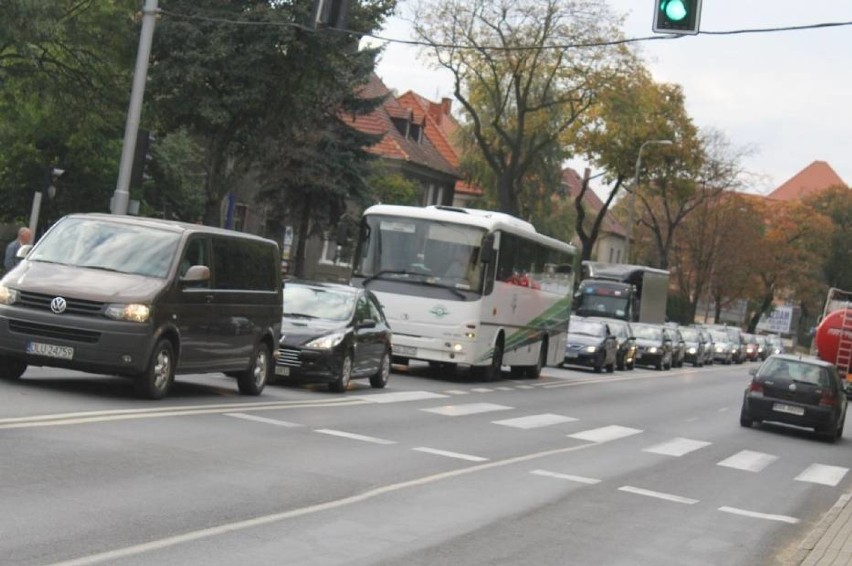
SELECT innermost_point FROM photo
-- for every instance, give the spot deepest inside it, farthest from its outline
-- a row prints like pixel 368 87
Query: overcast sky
pixel 787 95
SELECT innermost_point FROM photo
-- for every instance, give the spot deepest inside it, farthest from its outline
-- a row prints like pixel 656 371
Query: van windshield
pixel 111 246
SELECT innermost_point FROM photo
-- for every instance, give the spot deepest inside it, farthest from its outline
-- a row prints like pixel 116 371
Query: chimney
pixel 446 104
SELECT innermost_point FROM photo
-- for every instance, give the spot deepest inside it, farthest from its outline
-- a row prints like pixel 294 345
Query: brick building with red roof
pixel 811 180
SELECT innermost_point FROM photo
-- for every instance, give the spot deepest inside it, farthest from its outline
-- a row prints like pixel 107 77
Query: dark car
pixel 795 390
pixel 653 345
pixel 735 339
pixel 590 343
pixel 695 346
pixel 678 344
pixel 709 346
pixel 333 333
pixel 626 358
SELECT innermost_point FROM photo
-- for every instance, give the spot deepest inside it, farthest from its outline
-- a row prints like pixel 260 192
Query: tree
pixel 65 66
pixel 522 78
pixel 836 203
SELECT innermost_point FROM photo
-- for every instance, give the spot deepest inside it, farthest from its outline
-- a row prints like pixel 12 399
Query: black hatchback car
pixel 653 345
pixel 590 343
pixel 626 341
pixel 800 391
pixel 333 333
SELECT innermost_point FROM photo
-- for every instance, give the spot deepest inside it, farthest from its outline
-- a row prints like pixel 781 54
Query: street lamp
pixel 633 192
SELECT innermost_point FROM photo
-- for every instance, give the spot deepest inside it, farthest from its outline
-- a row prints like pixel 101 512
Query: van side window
pixel 244 264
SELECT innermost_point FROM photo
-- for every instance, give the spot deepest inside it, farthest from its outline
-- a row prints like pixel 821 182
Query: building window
pixel 618 257
pixel 416 132
pixel 335 254
pixel 611 253
pixel 240 215
pixel 434 195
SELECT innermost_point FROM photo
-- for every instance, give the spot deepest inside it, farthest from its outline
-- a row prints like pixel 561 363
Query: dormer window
pixel 402 125
pixel 416 132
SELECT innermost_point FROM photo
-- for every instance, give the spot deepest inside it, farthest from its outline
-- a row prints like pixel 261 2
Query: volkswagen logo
pixel 58 305
pixel 792 387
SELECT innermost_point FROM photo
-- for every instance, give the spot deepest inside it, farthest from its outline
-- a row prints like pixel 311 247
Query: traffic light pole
pixel 121 197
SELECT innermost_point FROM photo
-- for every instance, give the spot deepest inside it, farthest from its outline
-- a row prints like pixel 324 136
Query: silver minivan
pixel 143 298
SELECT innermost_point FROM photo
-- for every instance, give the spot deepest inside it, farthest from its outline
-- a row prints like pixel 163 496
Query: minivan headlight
pixel 326 342
pixel 131 312
pixel 8 296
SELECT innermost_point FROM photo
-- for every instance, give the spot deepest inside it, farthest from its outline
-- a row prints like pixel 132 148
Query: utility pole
pixel 121 197
pixel 632 210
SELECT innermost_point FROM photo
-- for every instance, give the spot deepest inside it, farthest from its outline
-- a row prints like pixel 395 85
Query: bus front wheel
pixel 491 372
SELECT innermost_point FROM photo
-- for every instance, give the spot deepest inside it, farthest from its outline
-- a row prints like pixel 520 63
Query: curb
pixel 830 541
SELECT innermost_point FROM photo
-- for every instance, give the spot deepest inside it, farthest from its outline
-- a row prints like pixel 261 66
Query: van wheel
pixel 341 384
pixel 12 368
pixel 380 380
pixel 253 380
pixel 156 381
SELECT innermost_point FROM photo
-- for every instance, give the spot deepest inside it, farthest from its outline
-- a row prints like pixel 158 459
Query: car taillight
pixel 756 386
pixel 828 399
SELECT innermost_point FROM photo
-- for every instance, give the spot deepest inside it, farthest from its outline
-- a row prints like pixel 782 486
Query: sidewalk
pixel 830 542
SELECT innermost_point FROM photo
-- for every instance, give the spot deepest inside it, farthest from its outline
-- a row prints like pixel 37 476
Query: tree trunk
pixel 302 239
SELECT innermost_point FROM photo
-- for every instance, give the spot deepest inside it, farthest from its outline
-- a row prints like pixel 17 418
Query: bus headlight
pixel 131 312
pixel 8 296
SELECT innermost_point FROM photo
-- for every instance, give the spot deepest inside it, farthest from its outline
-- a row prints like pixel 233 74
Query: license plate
pixel 571 355
pixel 50 350
pixel 282 370
pixel 405 350
pixel 789 409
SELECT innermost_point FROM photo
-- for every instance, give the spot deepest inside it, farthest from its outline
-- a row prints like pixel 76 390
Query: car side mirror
pixel 486 252
pixel 23 251
pixel 196 274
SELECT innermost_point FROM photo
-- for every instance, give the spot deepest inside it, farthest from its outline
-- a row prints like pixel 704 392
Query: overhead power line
pixel 419 43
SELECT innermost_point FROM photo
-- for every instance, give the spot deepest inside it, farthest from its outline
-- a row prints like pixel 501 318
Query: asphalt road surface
pixel 640 467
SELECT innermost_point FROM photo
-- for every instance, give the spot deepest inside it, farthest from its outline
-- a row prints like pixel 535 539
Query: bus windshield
pixel 421 250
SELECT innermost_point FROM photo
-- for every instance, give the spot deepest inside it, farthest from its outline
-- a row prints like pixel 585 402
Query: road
pixel 631 468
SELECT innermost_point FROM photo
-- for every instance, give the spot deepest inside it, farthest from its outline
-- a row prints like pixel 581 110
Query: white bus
pixel 467 287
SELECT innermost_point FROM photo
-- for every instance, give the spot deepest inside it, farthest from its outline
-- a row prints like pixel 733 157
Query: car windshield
pixel 109 246
pixel 647 332
pixel 718 336
pixel 803 372
pixel 586 328
pixel 689 334
pixel 301 301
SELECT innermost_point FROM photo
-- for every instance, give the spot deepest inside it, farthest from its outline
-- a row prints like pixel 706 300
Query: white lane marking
pixel 449 454
pixel 658 495
pixel 677 447
pixel 823 474
pixel 535 421
pixel 456 392
pixel 748 461
pixel 723 410
pixel 692 420
pixel 756 515
pixel 467 409
pixel 504 388
pixel 524 387
pixel 605 434
pixel 265 420
pixel 400 396
pixel 579 479
pixel 244 525
pixel 353 436
pixel 482 390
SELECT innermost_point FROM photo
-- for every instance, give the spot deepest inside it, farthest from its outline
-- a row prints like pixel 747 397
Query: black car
pixel 333 333
pixel 678 344
pixel 653 345
pixel 590 343
pixel 626 358
pixel 801 391
pixel 696 345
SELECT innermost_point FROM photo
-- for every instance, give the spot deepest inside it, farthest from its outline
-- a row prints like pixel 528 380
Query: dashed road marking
pixel 823 474
pixel 748 461
pixel 756 515
pixel 677 447
pixel 401 396
pixel 456 392
pixel 535 421
pixel 658 495
pixel 466 409
pixel 264 420
pixel 449 454
pixel 579 479
pixel 353 436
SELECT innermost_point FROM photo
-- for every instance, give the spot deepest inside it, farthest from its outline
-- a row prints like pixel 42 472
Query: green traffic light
pixel 675 10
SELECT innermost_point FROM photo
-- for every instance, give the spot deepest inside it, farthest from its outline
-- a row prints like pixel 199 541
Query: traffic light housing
pixel 677 16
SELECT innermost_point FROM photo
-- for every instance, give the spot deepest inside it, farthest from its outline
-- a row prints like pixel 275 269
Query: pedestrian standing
pixel 25 236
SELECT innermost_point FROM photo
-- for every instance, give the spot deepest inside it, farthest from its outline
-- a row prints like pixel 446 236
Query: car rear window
pixel 803 372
